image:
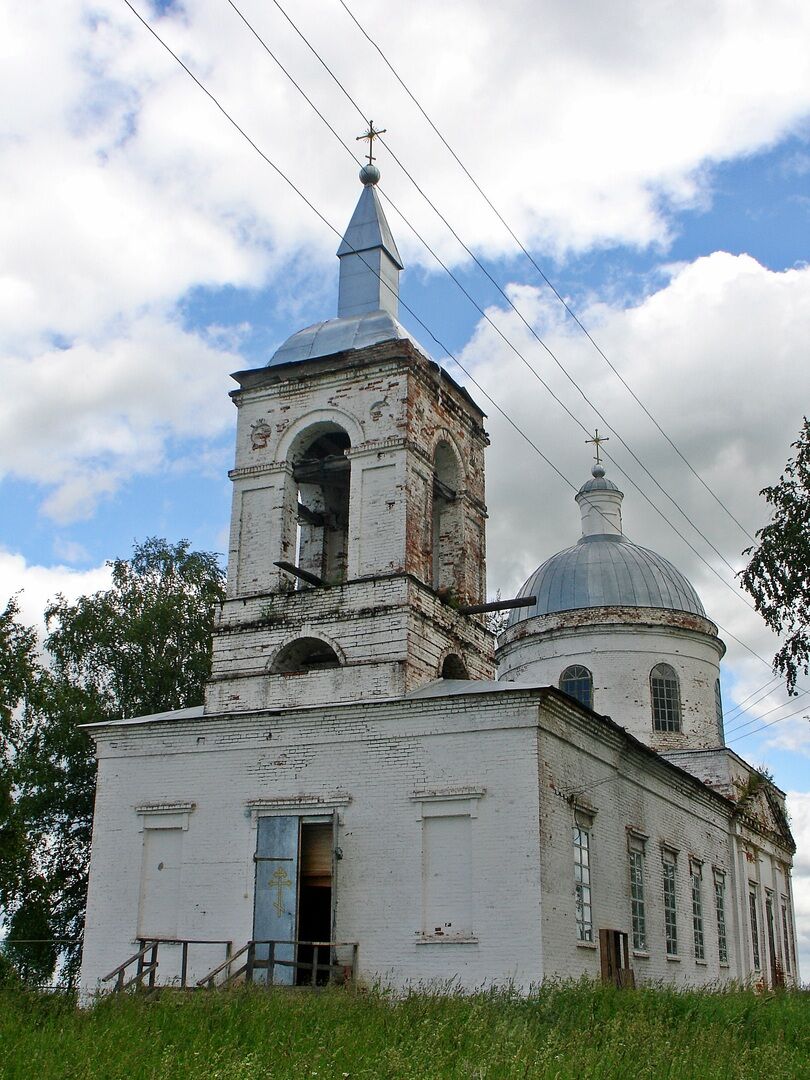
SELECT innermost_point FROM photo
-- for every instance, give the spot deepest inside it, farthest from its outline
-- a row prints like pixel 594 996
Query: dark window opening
pixel 453 668
pixel 305 654
pixel 666 699
pixel 577 682
pixel 322 473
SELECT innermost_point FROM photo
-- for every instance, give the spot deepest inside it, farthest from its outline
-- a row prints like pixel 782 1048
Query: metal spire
pixel 369 260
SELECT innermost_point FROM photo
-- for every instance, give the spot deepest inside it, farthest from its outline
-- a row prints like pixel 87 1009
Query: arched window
pixel 304 654
pixel 718 705
pixel 577 682
pixel 446 522
pixel 321 472
pixel 666 698
pixel 453 668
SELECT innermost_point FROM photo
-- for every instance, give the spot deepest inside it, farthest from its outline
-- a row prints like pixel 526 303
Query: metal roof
pixel 606 571
pixel 338 335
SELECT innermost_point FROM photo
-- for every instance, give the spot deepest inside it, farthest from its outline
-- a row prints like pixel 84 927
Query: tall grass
pixel 574 1030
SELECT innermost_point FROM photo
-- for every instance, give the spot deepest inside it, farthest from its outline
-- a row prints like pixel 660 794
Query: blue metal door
pixel 276 905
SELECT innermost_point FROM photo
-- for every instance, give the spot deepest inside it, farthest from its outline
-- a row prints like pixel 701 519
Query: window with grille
pixel 582 882
pixel 666 699
pixel 670 904
pixel 720 909
pixel 718 705
pixel 696 872
pixel 577 682
pixel 637 911
pixel 752 911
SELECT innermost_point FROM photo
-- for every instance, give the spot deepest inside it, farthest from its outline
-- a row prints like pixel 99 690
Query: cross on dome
pixel 597 440
pixel 370 136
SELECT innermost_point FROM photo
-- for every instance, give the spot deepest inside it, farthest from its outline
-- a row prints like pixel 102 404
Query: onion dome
pixel 604 569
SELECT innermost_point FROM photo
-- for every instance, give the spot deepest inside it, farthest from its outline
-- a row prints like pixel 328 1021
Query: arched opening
pixel 322 473
pixel 577 682
pixel 666 698
pixel 304 654
pixel 446 518
pixel 453 668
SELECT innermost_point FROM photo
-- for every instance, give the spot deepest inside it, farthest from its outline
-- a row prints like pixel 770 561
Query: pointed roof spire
pixel 369 260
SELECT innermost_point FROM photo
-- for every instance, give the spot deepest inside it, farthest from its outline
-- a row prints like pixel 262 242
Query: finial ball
pixel 598 471
pixel 369 174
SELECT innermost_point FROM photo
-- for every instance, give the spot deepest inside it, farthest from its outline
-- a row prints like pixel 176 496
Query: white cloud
pixel 80 421
pixel 718 354
pixel 36 585
pixel 130 189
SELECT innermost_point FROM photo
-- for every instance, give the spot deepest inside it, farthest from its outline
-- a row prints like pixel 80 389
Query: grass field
pixel 567 1031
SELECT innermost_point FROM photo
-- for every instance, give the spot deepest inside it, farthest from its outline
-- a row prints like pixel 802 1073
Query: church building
pixel 376 788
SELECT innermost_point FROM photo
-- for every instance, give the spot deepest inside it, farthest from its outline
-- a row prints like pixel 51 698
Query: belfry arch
pixel 447 546
pixel 318 500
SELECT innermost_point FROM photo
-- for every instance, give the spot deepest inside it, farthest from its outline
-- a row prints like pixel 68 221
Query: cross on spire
pixel 370 136
pixel 597 440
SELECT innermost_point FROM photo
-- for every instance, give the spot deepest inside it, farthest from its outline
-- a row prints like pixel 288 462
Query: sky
pixel 653 158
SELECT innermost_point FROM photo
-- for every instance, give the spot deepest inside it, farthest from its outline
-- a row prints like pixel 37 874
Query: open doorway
pixel 314 897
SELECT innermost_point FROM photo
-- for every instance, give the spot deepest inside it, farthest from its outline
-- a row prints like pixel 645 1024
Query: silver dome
pixel 606 571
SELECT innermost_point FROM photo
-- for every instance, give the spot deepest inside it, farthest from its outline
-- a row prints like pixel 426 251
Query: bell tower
pixel 358 520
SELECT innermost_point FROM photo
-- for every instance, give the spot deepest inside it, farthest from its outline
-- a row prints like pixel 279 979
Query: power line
pixel 279 172
pixel 756 731
pixel 484 314
pixel 761 716
pixel 531 259
pixel 496 285
pixel 770 683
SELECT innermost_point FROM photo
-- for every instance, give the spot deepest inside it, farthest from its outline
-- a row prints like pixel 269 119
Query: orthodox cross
pixel 597 440
pixel 278 882
pixel 371 135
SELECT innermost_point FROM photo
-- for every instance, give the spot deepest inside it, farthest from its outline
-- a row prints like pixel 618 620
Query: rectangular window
pixel 788 937
pixel 637 911
pixel 752 911
pixel 696 872
pixel 447 876
pixel 720 909
pixel 582 882
pixel 670 904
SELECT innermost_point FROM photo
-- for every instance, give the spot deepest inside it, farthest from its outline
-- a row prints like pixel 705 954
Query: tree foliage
pixel 142 646
pixel 778 574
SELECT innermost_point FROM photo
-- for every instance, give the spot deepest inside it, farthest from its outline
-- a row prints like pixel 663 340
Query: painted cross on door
pixel 275 916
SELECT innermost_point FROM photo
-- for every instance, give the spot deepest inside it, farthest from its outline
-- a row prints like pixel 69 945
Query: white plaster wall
pixel 620 658
pixel 377 757
pixel 624 789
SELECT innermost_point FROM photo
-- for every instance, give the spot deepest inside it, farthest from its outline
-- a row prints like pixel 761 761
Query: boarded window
pixel 160 883
pixel 447 876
